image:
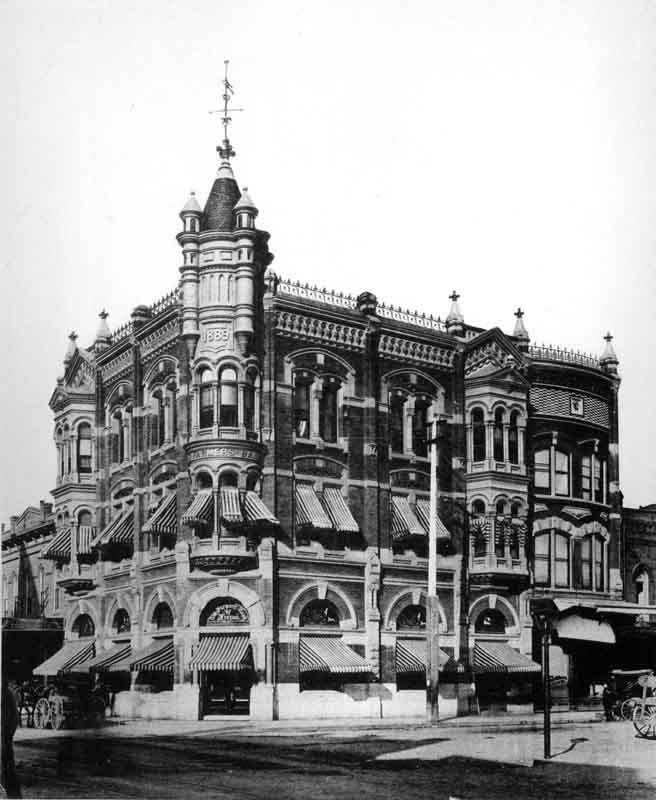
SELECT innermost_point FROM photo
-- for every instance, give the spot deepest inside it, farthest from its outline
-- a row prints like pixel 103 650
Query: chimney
pixel 46 509
pixel 13 521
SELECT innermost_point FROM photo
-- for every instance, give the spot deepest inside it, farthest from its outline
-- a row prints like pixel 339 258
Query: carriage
pixel 644 714
pixel 628 691
pixel 67 701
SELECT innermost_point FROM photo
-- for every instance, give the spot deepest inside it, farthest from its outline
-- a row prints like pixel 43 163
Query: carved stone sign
pixel 227 612
pixel 216 337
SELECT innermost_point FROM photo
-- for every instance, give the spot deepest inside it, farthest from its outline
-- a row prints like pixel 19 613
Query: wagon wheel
pixel 58 717
pixel 644 721
pixel 628 707
pixel 41 713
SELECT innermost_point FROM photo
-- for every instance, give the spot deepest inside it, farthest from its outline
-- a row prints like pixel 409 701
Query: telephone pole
pixel 432 613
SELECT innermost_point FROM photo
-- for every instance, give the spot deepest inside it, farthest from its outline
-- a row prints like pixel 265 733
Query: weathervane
pixel 225 149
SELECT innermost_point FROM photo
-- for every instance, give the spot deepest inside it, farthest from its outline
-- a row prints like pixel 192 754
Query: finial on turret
pixel 72 347
pixel 520 331
pixel 455 322
pixel 609 359
pixel 103 334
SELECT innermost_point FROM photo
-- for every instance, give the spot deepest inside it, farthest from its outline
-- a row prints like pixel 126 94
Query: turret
pixel 609 360
pixel 71 349
pixel 103 334
pixel 455 322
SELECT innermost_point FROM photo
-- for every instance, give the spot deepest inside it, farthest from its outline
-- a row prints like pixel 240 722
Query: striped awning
pixel 165 518
pixel 158 657
pixel 501 657
pixel 223 653
pixel 411 656
pixel 328 654
pixel 85 537
pixel 338 511
pixel 423 515
pixel 59 548
pixel 309 510
pixel 404 521
pixel 256 511
pixel 200 510
pixel 119 531
pixel 105 660
pixel 230 507
pixel 71 655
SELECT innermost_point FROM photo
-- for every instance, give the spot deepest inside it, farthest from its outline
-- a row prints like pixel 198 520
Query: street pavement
pixel 464 759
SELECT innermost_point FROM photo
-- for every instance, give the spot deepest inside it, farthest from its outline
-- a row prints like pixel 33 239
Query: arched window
pixel 490 621
pixel 121 622
pixel 60 452
pixel 228 398
pixel 478 434
pixel 319 612
pixel 562 473
pixel 498 434
pixel 162 616
pixel 203 480
pixel 642 587
pixel 500 528
pixel 84 448
pixel 206 399
pixel 420 427
pixel 515 510
pixel 302 407
pixel 397 414
pixel 224 611
pixel 411 618
pixel 69 454
pixel 328 411
pixel 173 410
pixel 83 626
pixel 542 464
pixel 84 518
pixel 479 528
pixel 513 438
pixel 249 404
pixel 161 419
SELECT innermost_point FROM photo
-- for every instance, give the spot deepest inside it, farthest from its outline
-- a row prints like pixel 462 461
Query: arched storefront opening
pixel 224 658
pixel 83 627
pixel 490 621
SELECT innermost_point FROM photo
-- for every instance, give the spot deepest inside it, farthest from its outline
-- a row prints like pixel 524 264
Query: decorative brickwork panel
pixel 563 403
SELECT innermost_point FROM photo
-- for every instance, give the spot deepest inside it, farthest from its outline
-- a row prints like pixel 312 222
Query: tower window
pixel 206 399
pixel 228 397
pixel 249 405
pixel 498 434
pixel 478 434
pixel 513 438
pixel 84 449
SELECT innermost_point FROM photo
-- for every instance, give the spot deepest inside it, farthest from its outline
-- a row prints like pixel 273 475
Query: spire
pixel 71 350
pixel 609 359
pixel 103 334
pixel 225 192
pixel 191 205
pixel 520 331
pixel 455 322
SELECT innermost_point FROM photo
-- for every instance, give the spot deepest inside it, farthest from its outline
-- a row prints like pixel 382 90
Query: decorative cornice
pixel 298 326
pixel 409 350
pixel 118 365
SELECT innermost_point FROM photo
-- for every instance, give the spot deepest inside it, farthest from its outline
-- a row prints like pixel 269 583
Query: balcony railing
pixel 548 353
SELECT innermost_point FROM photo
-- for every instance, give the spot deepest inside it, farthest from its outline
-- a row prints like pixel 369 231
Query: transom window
pixel 411 618
pixel 490 621
pixel 319 612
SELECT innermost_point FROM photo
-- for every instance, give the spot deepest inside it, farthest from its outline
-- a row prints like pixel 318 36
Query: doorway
pixel 226 692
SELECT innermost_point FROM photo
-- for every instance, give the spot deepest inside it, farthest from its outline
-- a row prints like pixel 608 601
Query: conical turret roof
pixel 218 213
pixel 191 204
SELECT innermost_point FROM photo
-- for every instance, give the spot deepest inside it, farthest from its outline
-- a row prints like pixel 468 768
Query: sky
pixel 503 149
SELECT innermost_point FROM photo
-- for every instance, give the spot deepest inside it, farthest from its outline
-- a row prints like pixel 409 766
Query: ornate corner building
pixel 242 497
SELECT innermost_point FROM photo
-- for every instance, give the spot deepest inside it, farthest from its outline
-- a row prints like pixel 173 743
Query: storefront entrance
pixel 226 692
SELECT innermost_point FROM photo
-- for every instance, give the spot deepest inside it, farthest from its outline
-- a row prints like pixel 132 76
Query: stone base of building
pixel 180 703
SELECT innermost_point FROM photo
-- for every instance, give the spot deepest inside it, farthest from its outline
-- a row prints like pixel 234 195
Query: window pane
pixel 302 410
pixel 542 571
pixel 542 457
pixel 542 544
pixel 562 462
pixel 562 573
pixel 542 478
pixel 562 484
pixel 562 546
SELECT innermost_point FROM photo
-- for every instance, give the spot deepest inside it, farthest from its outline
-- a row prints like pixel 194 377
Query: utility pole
pixel 433 617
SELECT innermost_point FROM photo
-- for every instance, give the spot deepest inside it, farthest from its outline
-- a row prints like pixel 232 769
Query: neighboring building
pixel 31 625
pixel 640 582
pixel 243 486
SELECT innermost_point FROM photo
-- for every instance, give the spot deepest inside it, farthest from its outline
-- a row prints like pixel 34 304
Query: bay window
pixel 542 463
pixel 206 419
pixel 562 474
pixel 542 551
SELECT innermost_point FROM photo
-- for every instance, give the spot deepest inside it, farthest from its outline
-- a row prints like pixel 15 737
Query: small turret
pixel 609 360
pixel 71 350
pixel 191 215
pixel 455 322
pixel 103 334
pixel 520 332
pixel 245 211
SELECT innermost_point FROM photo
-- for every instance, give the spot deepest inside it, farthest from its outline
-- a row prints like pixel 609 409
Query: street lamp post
pixel 432 614
pixel 544 611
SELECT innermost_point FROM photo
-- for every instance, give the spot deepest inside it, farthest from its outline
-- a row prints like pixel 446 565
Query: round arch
pixel 121 601
pixel 405 598
pixel 495 602
pixel 154 373
pixel 321 591
pixel 81 607
pixel 161 595
pixel 224 588
pixel 349 371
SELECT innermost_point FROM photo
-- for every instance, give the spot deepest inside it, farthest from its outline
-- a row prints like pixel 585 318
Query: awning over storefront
pixel 165 518
pixel 71 655
pixel 501 657
pixel 59 548
pixel 119 531
pixel 423 515
pixel 309 510
pixel 223 653
pixel 230 507
pixel 328 654
pixel 411 656
pixel 339 512
pixel 255 510
pixel 587 630
pixel 404 521
pixel 105 660
pixel 158 657
pixel 200 509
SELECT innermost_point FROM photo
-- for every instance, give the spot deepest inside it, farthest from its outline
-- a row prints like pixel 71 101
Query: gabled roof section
pixel 79 380
pixel 492 353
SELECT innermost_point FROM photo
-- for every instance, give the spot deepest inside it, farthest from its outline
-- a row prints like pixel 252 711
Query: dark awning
pixel 501 657
pixel 59 547
pixel 309 510
pixel 71 655
pixel 411 656
pixel 107 658
pixel 339 512
pixel 329 654
pixel 159 657
pixel 165 518
pixel 200 509
pixel 223 653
